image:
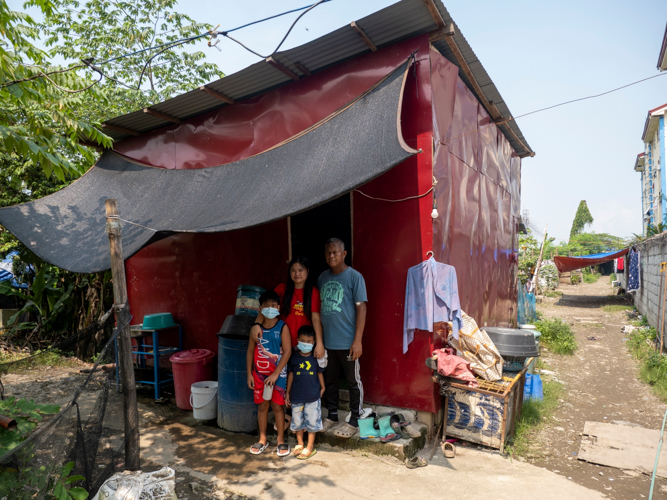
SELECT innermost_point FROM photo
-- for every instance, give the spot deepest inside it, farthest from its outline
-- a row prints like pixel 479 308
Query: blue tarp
pixel 526 310
pixel 6 270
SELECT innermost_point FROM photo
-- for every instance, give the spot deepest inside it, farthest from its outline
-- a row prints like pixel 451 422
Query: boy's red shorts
pixel 278 396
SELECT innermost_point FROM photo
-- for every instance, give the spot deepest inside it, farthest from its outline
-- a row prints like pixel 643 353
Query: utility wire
pixel 165 46
pixel 308 9
pixel 590 96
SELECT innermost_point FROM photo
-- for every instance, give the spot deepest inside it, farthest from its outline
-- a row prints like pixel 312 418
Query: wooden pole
pixel 122 309
pixel 660 306
pixel 539 259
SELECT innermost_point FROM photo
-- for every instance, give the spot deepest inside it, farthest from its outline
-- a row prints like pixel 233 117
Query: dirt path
pixel 601 384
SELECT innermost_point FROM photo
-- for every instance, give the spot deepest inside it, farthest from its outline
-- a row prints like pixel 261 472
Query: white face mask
pixel 270 312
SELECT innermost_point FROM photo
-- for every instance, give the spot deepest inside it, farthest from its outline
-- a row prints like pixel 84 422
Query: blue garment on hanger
pixel 431 296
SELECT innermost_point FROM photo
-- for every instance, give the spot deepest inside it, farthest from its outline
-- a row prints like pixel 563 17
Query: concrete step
pixel 401 448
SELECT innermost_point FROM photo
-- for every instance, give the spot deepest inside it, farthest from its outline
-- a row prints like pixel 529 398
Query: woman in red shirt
pixel 299 303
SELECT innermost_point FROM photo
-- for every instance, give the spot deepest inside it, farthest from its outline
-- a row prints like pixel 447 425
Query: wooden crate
pixel 486 414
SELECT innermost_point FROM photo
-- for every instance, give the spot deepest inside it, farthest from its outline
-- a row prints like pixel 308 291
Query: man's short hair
pixel 335 241
pixel 269 296
pixel 307 331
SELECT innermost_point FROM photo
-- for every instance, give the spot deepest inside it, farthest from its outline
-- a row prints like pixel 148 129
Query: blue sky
pixel 538 54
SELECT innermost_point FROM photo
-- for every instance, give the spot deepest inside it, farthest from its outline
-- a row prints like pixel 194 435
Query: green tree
pixel 581 219
pixel 106 29
pixel 37 100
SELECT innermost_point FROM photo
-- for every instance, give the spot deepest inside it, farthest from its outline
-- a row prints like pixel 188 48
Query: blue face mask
pixel 270 312
pixel 304 347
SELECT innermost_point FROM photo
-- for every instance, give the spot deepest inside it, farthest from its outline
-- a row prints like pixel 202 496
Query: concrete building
pixel 650 164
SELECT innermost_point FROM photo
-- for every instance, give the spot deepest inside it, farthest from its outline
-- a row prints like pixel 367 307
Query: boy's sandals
pixel 415 463
pixel 283 450
pixel 346 431
pixel 297 450
pixel 327 424
pixel 258 448
pixel 448 450
pixel 306 454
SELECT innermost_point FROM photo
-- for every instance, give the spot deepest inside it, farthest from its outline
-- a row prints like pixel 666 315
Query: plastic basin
pixel 157 321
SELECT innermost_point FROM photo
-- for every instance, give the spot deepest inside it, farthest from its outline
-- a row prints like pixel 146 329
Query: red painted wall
pixel 195 276
pixel 389 238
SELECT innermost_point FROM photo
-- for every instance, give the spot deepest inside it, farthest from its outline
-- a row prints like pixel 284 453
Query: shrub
pixel 548 277
pixel 575 278
pixel 591 278
pixel 557 336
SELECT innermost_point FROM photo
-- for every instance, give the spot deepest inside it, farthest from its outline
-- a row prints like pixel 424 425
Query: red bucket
pixel 193 365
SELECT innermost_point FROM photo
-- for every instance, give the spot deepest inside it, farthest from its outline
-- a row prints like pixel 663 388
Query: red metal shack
pixel 470 164
pixel 476 165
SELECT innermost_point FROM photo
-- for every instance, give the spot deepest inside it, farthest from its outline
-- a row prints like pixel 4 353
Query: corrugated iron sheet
pixel 397 22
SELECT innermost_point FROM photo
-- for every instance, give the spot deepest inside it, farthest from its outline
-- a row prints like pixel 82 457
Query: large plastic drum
pixel 237 411
pixel 247 300
pixel 193 365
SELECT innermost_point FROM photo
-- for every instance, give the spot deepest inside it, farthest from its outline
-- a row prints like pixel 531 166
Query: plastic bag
pixel 158 485
pixel 533 388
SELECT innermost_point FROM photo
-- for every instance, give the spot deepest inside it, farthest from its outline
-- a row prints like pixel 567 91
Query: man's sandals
pixel 346 431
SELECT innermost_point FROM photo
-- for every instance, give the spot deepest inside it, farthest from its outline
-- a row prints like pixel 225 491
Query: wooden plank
pixel 528 152
pixel 302 68
pixel 281 67
pixel 118 128
pixel 622 447
pixel 216 94
pixel 161 116
pixel 363 36
pixel 435 13
pixel 441 33
pixel 468 72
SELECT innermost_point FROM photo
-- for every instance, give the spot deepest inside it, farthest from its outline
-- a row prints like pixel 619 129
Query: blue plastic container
pixel 247 300
pixel 237 411
pixel 533 388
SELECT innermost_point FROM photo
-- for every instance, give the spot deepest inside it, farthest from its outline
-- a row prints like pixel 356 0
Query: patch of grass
pixel 617 307
pixel 21 362
pixel 557 336
pixel 591 278
pixel 554 294
pixel 653 369
pixel 534 415
pixel 612 277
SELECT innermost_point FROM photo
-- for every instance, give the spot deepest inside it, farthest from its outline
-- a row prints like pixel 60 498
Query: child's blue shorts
pixel 307 416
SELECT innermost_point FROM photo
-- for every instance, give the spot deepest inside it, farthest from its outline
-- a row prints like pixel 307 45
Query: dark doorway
pixel 312 228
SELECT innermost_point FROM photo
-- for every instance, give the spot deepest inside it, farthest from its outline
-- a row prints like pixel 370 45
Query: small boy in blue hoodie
pixel 305 386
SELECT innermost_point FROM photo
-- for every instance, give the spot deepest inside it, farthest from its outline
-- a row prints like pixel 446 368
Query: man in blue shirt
pixel 343 315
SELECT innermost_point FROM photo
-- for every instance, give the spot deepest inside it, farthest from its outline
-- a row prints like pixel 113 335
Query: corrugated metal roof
pixel 405 19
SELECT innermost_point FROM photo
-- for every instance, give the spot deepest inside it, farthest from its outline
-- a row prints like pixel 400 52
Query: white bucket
pixel 204 400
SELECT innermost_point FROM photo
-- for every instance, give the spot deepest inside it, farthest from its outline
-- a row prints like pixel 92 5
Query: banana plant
pixel 43 298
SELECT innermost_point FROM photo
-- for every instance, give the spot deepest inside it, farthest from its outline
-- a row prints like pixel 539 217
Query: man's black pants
pixel 337 365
